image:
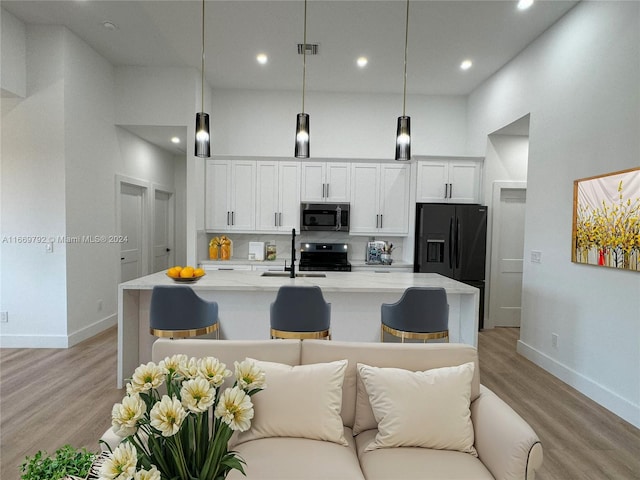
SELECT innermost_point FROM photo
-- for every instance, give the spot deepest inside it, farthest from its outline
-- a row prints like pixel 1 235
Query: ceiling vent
pixel 312 48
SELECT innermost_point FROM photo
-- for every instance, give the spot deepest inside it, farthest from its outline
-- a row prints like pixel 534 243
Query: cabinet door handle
pixel 275 219
pixel 451 190
pixel 327 190
pixel 380 220
pixel 233 220
pixel 377 221
pixel 280 219
pixel 446 190
pixel 228 216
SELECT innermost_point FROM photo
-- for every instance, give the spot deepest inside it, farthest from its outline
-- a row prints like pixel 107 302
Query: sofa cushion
pixel 285 458
pixel 229 351
pixel 427 409
pixel 412 356
pixel 409 463
pixel 299 401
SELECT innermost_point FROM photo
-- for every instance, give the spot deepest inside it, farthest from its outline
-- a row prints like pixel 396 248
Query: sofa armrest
pixel 506 444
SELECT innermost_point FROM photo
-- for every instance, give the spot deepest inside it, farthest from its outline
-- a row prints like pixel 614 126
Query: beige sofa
pixel 507 448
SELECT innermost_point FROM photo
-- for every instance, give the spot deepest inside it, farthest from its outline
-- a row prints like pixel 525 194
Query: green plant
pixel 66 461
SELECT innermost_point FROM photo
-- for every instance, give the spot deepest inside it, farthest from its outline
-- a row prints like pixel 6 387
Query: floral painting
pixel 606 220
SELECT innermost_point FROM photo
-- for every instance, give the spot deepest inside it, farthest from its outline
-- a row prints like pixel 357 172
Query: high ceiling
pixel 441 35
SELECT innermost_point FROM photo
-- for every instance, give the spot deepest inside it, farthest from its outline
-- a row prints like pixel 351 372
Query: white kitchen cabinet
pixel 379 199
pixel 277 196
pixel 448 181
pixel 325 182
pixel 230 195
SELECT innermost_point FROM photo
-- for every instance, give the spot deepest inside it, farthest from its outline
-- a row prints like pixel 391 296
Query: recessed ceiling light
pixel 110 26
pixel 362 61
pixel 262 58
pixel 466 64
pixel 524 4
pixel 175 140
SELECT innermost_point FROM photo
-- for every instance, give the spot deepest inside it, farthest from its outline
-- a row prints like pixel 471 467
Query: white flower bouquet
pixel 170 436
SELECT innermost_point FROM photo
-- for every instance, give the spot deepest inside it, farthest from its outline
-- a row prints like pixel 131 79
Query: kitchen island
pixel 244 298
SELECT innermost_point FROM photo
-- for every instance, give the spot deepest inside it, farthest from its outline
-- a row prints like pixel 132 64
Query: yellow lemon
pixel 186 272
pixel 198 272
pixel 173 273
pixel 178 268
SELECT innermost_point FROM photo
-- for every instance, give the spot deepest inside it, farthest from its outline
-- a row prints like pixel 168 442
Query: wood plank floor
pixel 581 439
pixel 50 397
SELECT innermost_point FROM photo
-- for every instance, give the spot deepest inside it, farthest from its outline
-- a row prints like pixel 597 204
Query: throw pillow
pixel 427 409
pixel 300 401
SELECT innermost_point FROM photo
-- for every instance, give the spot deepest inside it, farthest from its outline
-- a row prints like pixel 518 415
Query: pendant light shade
pixel 302 122
pixel 403 139
pixel 403 133
pixel 302 136
pixel 202 135
pixel 202 119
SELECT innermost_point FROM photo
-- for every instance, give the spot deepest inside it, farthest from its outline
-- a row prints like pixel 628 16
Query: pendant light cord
pixel 202 64
pixel 406 43
pixel 304 55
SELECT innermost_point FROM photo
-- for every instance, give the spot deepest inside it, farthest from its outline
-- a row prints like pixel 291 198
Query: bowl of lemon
pixel 186 274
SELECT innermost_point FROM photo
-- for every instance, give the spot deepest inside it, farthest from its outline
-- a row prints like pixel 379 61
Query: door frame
pixel 498 186
pixel 145 186
pixel 172 220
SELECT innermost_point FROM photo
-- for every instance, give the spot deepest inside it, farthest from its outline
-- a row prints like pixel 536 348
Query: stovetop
pixel 331 257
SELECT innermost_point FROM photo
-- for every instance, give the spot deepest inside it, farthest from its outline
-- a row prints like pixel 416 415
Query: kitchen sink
pixel 286 274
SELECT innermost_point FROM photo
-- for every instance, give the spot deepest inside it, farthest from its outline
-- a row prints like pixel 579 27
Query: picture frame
pixel 606 220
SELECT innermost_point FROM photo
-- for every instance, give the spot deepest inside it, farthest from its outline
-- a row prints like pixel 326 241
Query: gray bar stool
pixel 422 313
pixel 178 312
pixel 300 312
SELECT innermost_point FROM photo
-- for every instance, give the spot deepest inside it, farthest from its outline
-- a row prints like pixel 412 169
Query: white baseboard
pixel 58 341
pixel 596 392
pixel 93 329
pixel 33 341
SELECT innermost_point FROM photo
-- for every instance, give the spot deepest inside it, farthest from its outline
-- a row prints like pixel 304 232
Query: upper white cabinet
pixel 379 199
pixel 230 195
pixel 325 182
pixel 278 196
pixel 448 181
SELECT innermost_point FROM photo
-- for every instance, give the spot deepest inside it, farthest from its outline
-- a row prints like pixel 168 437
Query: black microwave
pixel 327 217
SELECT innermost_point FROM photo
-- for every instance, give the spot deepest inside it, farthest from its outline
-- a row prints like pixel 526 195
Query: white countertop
pixel 233 280
pixel 244 261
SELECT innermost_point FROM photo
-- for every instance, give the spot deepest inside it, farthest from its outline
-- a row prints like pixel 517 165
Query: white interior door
pixel 132 218
pixel 505 298
pixel 163 231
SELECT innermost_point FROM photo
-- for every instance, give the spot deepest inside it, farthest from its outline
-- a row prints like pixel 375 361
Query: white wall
pixel 580 83
pixel 262 123
pixel 90 147
pixel 33 200
pixel 61 152
pixel 13 71
pixel 169 96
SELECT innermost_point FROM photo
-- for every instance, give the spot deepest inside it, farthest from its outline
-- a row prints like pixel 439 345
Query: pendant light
pixel 302 121
pixel 202 119
pixel 403 134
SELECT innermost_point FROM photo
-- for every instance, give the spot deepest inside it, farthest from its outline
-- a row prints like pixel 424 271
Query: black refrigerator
pixel 451 239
